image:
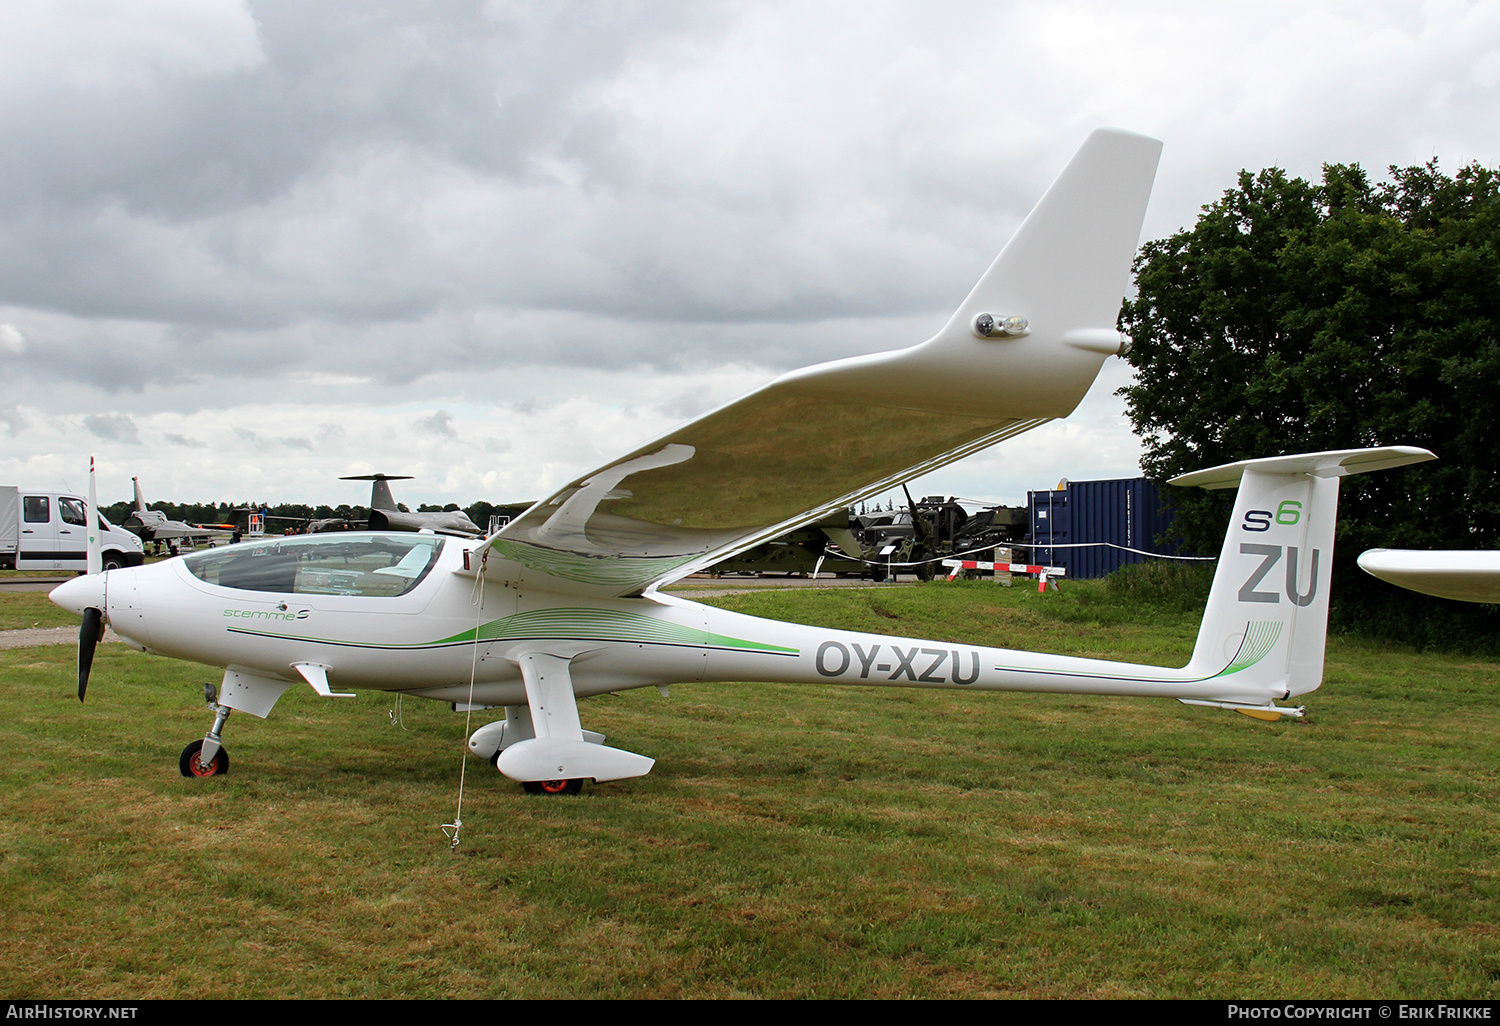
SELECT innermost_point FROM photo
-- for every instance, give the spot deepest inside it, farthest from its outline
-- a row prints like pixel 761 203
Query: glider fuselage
pixel 448 629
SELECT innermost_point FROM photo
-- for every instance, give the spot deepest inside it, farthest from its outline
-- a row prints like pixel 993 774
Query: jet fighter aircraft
pixel 564 601
pixel 152 525
pixel 385 516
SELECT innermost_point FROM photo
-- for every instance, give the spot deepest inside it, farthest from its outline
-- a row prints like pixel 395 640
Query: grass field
pixel 791 842
pixel 20 610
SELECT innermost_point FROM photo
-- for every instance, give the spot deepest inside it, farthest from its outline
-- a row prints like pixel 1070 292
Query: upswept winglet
pixel 821 438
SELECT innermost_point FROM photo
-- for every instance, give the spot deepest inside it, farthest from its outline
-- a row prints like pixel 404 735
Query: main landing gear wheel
pixel 553 786
pixel 192 766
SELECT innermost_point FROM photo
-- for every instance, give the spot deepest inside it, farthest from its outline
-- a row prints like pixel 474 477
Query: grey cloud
pixel 183 440
pixel 11 339
pixel 135 189
pixel 261 443
pixel 382 165
pixel 112 428
pixel 684 406
pixel 440 423
pixel 15 422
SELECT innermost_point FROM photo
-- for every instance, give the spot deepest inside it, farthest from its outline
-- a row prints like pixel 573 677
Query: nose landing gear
pixel 207 758
pixel 192 764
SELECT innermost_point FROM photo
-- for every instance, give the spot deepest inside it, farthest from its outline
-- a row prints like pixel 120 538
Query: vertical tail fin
pixel 1267 615
pixel 380 495
pixel 380 491
pixel 140 503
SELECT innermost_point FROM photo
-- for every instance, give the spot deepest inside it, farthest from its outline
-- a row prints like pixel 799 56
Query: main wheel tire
pixel 553 787
pixel 878 572
pixel 192 766
pixel 925 570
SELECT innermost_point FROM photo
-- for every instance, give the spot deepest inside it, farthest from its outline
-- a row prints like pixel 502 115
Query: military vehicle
pixel 914 540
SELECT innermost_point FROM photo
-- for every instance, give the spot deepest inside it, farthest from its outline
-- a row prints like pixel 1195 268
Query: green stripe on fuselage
pixel 603 625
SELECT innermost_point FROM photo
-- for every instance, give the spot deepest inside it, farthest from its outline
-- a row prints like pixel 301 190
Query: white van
pixel 46 531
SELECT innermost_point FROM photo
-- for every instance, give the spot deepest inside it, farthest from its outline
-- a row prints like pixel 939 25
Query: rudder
pixel 1266 622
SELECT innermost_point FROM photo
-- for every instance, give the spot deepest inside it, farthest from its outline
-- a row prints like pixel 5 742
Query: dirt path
pixel 49 636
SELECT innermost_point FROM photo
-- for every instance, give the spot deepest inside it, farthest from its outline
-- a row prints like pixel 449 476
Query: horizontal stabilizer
pixel 550 758
pixel 1333 463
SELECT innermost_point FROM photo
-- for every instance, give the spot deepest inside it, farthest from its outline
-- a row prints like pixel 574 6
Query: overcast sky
pixel 249 247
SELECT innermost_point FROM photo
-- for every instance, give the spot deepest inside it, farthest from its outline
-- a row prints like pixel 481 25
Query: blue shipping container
pixel 1126 512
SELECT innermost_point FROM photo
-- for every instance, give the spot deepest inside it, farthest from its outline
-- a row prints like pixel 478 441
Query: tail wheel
pixel 193 766
pixel 554 786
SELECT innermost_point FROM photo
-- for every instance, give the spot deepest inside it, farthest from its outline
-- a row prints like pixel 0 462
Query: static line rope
pixel 841 554
pixel 1112 545
pixel 476 599
pixel 397 718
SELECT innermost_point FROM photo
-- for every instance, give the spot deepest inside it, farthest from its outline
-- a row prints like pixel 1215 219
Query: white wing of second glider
pixel 1022 349
pixel 1468 576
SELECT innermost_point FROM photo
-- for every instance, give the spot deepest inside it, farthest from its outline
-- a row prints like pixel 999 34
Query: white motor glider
pixel 1467 576
pixel 563 602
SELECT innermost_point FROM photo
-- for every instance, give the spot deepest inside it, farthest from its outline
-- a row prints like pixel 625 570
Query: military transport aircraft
pixel 564 603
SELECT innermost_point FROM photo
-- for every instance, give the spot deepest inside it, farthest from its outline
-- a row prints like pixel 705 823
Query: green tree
pixel 1296 316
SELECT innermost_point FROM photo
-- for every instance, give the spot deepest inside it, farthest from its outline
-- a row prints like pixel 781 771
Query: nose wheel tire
pixel 193 766
pixel 553 786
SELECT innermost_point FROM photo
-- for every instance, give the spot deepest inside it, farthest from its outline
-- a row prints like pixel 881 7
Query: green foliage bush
pixel 1162 584
pixel 1295 317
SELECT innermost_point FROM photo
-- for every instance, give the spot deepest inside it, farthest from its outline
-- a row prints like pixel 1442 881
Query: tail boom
pixel 1261 641
pixel 793 653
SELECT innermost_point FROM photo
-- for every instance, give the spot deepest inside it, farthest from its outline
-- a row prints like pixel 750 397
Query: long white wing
pixel 820 438
pixel 1472 576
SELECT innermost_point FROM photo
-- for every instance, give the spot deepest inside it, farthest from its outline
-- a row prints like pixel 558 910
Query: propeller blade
pixel 88 638
pixel 95 556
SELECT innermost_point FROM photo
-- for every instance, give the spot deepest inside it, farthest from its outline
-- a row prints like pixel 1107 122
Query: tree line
pixel 290 513
pixel 1300 316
